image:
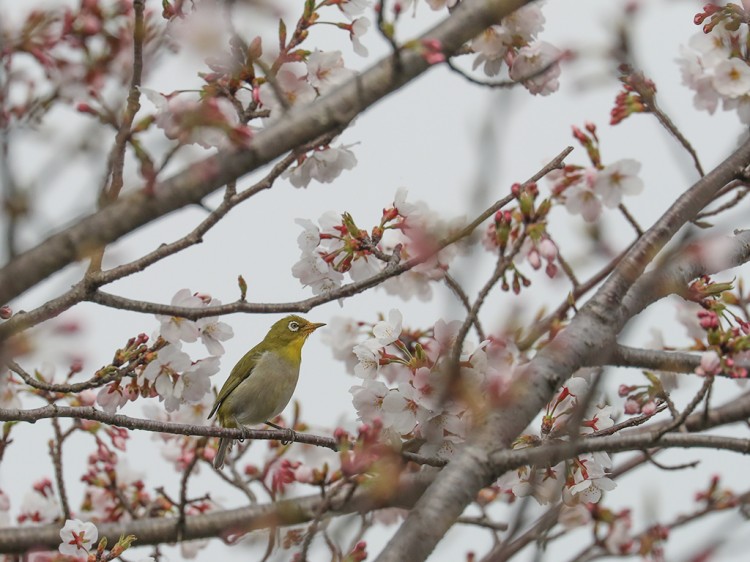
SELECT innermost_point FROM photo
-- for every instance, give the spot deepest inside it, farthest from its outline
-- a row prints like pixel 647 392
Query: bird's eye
pixel 293 326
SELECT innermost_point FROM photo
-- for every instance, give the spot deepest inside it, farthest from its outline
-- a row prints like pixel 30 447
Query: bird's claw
pixel 242 438
pixel 291 437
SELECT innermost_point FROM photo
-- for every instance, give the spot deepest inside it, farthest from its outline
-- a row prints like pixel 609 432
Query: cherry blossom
pixel 369 359
pixel 322 165
pixel 491 46
pixel 211 122
pixel 618 179
pixel 295 89
pixel 572 516
pixel 196 379
pixel 544 485
pixel 115 395
pixel 367 399
pixel 174 328
pixel 387 332
pixel 78 537
pixel 529 68
pixel 710 66
pixel 39 508
pixel 358 29
pixel 580 199
pixel 352 8
pixel 309 238
pixel 618 540
pixel 326 69
pixel 213 331
pixel 590 478
pixel 695 76
pixel 401 409
pixel 732 78
pixel 341 335
pixel 525 23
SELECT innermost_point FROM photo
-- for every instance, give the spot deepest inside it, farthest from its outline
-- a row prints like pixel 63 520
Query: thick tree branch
pixel 405 493
pixel 657 360
pixel 297 126
pixel 228 522
pixel 592 332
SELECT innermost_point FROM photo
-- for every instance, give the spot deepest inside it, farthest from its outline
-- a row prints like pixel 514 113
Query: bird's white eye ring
pixel 293 326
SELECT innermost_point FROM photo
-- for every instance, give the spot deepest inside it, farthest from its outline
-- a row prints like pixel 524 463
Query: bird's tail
pixel 224 444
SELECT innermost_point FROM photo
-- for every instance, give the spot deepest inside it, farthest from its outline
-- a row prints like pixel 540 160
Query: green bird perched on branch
pixel 263 381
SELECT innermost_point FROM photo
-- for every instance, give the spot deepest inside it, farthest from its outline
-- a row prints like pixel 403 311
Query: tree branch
pixel 591 332
pixel 297 126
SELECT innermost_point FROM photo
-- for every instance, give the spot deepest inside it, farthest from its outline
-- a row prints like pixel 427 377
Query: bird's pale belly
pixel 265 393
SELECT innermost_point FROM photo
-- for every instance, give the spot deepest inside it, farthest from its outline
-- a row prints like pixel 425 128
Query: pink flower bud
pixel 547 249
pixel 534 259
pixel 649 408
pixel 632 407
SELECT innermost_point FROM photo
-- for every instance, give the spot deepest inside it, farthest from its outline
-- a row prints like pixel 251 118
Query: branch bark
pixel 297 126
pixel 592 332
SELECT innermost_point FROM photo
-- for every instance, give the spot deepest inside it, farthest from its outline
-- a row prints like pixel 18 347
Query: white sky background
pixel 425 137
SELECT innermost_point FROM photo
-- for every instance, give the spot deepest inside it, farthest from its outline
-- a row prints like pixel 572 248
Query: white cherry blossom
pixel 324 166
pixel 78 538
pixel 580 199
pixel 367 399
pixel 359 29
pixel 387 332
pixel 368 356
pixel 529 68
pixel 174 328
pixel 618 179
pixel 732 78
pixel 326 69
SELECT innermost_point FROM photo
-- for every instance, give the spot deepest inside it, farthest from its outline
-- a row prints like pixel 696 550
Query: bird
pixel 262 382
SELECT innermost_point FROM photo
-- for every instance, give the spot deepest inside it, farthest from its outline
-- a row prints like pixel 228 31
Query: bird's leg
pixel 291 435
pixel 243 429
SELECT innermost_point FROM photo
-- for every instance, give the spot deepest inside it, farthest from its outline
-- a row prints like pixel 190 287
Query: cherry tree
pixel 511 424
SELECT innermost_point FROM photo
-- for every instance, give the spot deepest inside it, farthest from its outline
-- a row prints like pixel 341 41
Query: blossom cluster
pixel 411 391
pixel 726 333
pixel 170 373
pixel 337 246
pixel 716 63
pixel 522 231
pixel 407 387
pixel 258 82
pixel 580 480
pixel 80 52
pixel 533 63
pixel 585 189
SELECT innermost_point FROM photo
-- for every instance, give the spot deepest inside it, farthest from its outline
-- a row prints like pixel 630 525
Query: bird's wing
pixel 240 372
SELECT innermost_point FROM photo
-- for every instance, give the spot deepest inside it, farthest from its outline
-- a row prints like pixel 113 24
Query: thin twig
pixel 55 448
pixel 662 466
pixel 631 219
pixel 393 269
pixel 197 454
pixel 697 399
pixel 463 297
pixel 116 160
